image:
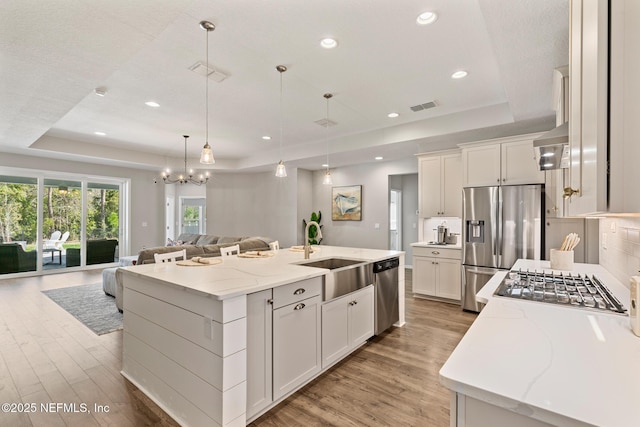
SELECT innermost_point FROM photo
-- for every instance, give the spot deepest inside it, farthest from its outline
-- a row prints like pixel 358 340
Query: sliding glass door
pixel 18 224
pixel 56 221
pixel 61 223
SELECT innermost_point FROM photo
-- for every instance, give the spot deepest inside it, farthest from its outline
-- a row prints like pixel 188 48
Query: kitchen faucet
pixel 307 246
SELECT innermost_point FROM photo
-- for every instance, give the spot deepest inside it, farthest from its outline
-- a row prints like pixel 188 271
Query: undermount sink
pixel 349 275
pixel 332 263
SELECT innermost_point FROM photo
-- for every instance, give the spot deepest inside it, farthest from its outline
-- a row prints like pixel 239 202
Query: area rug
pixel 90 305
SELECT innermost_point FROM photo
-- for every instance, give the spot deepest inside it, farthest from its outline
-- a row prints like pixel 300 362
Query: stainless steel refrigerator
pixel 499 226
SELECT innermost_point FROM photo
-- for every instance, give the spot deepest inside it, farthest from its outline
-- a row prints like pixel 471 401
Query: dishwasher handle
pixel 387 264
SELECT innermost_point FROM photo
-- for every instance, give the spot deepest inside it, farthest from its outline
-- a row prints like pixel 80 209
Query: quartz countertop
pixel 236 276
pixel 558 364
pixel 435 245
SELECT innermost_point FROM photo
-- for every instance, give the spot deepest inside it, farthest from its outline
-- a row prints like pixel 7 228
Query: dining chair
pixel 170 256
pixel 229 250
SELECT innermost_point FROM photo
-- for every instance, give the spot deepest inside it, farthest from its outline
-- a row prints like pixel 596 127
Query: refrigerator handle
pixel 499 230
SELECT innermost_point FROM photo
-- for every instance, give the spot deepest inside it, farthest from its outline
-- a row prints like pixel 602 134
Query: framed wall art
pixel 346 203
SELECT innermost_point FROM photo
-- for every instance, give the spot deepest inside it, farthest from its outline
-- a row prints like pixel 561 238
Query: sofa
pixel 14 259
pixel 203 245
pixel 99 251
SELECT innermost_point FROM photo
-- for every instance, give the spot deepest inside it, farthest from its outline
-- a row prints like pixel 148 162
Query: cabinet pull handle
pixel 299 306
pixel 355 302
pixel 299 291
pixel 270 301
pixel 568 192
pixel 435 252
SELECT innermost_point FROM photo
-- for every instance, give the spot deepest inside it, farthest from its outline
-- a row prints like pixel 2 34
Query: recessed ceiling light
pixel 326 165
pixel 152 104
pixel 426 18
pixel 99 133
pixel 459 74
pixel 100 91
pixel 548 154
pixel 393 115
pixel 379 158
pixel 547 165
pixel 328 43
pixel 266 138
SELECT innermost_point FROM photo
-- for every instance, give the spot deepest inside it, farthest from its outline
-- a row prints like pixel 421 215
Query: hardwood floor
pixel 47 356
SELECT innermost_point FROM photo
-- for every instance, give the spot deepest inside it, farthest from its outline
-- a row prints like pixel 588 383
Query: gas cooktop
pixel 565 289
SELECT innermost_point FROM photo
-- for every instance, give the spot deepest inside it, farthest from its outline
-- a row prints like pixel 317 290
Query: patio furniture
pixel 53 251
pixel 50 243
pixel 14 259
pixel 99 251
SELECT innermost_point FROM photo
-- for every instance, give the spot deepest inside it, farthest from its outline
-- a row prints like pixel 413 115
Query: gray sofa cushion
pixel 207 239
pixel 229 239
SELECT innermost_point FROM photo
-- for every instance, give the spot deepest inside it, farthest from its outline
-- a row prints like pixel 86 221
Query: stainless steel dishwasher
pixel 386 290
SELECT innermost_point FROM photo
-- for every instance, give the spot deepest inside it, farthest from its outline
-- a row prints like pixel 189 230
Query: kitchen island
pixel 530 363
pixel 203 342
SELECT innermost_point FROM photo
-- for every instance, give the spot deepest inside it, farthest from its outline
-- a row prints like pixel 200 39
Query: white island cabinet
pixel 347 322
pixel 533 364
pixel 218 345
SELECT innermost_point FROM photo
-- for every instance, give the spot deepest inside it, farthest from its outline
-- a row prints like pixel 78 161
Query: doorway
pixel 395 220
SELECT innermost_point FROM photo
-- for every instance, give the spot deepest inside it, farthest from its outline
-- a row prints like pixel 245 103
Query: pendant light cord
pixel 281 113
pixel 206 93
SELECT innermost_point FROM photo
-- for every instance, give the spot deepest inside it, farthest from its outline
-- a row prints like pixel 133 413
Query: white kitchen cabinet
pixel 437 273
pixel 347 322
pixel 504 161
pixel 440 192
pixel 588 106
pixel 296 344
pixel 259 348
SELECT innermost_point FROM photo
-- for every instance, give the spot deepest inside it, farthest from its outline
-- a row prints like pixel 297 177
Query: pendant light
pixel 327 175
pixel 281 171
pixel 206 156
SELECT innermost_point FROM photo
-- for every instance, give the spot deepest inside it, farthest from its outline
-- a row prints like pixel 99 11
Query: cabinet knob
pixel 504 179
pixel 270 301
pixel 299 291
pixel 299 306
pixel 568 192
pixel 435 252
pixel 498 180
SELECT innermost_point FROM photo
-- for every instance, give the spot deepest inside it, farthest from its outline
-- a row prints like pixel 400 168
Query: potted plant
pixel 313 230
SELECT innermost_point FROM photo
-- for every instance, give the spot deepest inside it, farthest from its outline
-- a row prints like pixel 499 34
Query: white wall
pixel 256 204
pixel 374 178
pixel 147 198
pixel 408 184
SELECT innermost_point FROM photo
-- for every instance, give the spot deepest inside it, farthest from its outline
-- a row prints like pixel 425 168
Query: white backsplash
pixel 454 224
pixel 620 247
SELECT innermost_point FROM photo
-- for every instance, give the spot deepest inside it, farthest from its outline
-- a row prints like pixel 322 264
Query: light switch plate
pixel 613 226
pixel 604 240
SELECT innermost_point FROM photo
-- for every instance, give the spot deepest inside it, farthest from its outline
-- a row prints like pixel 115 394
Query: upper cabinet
pixel 588 107
pixel 504 161
pixel 604 108
pixel 440 184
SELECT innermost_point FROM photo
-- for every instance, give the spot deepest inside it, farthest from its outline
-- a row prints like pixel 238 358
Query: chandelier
pixel 187 176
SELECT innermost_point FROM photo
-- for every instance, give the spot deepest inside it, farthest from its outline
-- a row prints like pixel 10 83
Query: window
pixel 60 221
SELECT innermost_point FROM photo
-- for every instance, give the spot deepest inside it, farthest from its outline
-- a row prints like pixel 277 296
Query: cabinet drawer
pixel 297 291
pixel 437 252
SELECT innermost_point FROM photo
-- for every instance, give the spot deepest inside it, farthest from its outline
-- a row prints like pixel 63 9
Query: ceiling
pixel 54 54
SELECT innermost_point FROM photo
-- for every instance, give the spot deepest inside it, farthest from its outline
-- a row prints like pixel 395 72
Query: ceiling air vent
pixel 325 123
pixel 424 106
pixel 203 70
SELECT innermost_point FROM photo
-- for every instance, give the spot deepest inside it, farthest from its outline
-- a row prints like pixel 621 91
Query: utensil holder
pixel 561 260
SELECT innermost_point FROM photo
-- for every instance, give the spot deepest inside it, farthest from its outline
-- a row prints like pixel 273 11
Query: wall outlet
pixel 376 226
pixel 604 240
pixel 144 223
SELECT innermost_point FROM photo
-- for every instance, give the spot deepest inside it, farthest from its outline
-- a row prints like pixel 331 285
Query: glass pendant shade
pixel 206 156
pixel 327 178
pixel 281 171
